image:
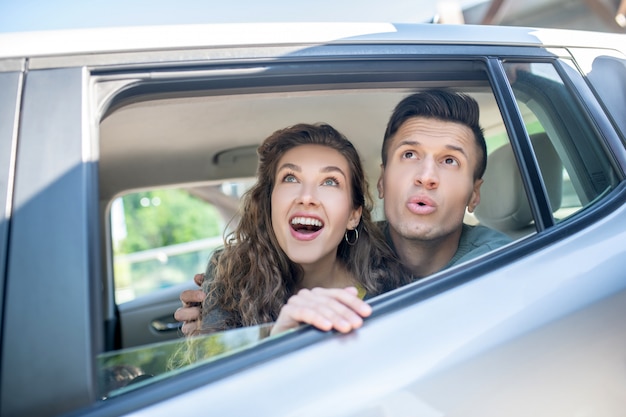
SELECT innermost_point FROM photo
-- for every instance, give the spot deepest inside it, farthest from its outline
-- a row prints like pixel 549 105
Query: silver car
pixel 88 117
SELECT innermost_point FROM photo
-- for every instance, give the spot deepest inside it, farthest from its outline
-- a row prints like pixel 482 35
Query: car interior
pixel 504 205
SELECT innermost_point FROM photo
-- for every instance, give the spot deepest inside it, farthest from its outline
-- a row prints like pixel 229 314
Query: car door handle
pixel 166 324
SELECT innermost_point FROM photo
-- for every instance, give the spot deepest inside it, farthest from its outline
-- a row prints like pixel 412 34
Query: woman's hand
pixel 325 308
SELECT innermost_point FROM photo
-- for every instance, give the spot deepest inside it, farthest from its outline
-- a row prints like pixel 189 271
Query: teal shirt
pixel 475 241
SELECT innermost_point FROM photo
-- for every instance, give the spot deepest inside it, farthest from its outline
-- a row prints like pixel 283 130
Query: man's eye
pixel 409 155
pixel 450 161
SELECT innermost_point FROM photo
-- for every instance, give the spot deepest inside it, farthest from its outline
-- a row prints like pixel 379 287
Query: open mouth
pixel 306 224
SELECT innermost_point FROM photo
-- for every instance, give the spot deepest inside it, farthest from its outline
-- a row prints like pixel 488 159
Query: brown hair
pixel 441 105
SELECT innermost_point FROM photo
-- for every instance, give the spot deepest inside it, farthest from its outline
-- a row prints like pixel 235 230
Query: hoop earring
pixel 356 237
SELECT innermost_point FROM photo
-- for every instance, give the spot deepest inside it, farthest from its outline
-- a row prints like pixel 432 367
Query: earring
pixel 356 237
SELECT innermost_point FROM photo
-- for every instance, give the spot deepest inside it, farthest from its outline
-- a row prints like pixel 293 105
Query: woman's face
pixel 312 203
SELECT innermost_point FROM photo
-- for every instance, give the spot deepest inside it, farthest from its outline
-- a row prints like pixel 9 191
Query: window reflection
pixel 127 369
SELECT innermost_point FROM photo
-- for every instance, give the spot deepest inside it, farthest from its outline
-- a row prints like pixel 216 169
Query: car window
pixel 567 139
pixel 162 237
pixel 216 134
pixel 162 147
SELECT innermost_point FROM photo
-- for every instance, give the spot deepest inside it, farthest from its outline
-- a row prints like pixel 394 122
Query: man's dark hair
pixel 441 105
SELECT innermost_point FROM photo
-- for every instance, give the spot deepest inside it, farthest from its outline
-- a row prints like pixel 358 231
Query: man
pixel 434 156
pixel 433 159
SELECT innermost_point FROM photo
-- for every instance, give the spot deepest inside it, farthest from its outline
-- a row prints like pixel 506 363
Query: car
pixel 90 116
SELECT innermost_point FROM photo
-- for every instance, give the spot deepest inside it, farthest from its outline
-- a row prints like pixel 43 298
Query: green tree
pixel 167 217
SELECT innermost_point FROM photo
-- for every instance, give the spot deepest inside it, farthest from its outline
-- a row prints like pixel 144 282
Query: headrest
pixel 503 201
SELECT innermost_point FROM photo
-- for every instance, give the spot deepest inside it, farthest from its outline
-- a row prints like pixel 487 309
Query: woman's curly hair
pixel 251 278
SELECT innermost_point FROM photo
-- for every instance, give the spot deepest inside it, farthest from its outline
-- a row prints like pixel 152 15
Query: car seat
pixel 503 202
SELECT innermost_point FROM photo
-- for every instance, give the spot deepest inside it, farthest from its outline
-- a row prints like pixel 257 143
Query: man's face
pixel 428 180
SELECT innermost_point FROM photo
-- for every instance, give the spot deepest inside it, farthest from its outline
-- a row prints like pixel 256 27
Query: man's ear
pixel 474 199
pixel 379 184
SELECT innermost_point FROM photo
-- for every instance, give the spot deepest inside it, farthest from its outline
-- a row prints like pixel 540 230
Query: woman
pixel 305 224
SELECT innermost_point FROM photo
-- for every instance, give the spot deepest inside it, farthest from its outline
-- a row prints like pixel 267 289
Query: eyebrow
pixel 333 168
pixel 292 167
pixel 416 143
pixel 297 168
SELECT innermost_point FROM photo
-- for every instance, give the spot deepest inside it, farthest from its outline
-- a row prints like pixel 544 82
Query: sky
pixel 35 15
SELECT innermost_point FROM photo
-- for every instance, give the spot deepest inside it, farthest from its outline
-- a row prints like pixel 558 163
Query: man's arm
pixel 324 308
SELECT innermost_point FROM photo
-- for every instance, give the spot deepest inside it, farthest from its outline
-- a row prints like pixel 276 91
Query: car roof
pixel 146 38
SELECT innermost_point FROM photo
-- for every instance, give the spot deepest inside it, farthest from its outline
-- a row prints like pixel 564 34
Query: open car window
pixel 184 130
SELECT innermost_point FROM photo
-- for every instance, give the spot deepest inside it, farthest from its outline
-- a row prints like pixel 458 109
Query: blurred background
pixel 596 15
pixel 34 15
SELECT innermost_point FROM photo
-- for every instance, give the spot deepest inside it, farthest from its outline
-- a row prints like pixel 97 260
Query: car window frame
pixel 533 177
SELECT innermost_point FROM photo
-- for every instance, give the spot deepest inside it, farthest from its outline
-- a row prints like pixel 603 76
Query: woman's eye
pixel 290 178
pixel 330 181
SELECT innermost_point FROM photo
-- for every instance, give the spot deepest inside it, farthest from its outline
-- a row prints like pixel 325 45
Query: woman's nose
pixel 308 195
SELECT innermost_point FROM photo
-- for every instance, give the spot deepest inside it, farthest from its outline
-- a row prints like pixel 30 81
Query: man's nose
pixel 427 174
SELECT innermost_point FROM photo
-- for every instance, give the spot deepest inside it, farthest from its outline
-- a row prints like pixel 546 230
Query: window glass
pixel 163 237
pixel 569 200
pixel 575 169
pixel 117 369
